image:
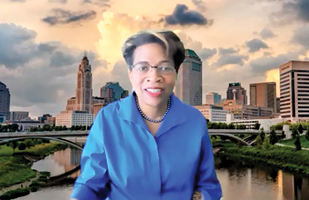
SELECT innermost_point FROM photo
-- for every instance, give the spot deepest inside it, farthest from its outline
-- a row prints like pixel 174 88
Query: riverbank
pixel 15 166
pixel 281 157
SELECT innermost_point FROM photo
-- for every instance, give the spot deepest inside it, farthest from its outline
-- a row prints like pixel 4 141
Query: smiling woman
pixel 149 145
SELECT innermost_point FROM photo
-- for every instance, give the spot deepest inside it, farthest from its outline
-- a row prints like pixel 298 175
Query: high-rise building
pixel 236 92
pixel 5 98
pixel 112 91
pixel 18 115
pixel 294 90
pixel 263 95
pixel 189 81
pixel 83 101
pixel 212 98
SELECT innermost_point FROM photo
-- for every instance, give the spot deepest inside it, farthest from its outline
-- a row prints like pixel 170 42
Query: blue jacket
pixel 122 160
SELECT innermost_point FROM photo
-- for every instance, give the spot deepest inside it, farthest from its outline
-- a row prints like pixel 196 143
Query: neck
pixel 155 113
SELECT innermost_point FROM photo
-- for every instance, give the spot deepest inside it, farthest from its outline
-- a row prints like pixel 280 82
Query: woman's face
pixel 153 86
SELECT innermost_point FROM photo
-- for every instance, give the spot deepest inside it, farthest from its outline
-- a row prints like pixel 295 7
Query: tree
pixel 297 143
pixel 262 134
pixel 294 133
pixel 29 143
pixel 207 120
pixel 266 143
pixel 273 137
pixel 283 135
pixel 259 141
pixel 15 127
pixel 231 126
pixel 21 146
pixel 300 129
pixel 257 126
pixel 13 144
pixel 307 133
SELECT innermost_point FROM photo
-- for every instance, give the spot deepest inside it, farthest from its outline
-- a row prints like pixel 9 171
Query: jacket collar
pixel 175 116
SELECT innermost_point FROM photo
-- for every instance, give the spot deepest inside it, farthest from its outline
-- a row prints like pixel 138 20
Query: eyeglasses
pixel 163 68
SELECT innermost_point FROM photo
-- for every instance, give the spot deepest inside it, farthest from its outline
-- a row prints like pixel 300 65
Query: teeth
pixel 154 90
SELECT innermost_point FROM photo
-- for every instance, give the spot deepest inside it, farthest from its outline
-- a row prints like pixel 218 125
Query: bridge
pixel 60 135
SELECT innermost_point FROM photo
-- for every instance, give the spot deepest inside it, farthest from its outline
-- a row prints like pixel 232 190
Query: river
pixel 239 180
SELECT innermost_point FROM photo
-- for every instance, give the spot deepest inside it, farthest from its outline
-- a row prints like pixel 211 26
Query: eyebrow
pixel 145 62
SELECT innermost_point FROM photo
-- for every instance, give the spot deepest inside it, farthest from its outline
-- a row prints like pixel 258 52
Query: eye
pixel 142 68
pixel 166 68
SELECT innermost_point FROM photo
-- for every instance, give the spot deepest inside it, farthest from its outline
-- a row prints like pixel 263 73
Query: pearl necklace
pixel 153 120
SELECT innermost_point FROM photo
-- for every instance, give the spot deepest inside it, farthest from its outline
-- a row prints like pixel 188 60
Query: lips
pixel 154 92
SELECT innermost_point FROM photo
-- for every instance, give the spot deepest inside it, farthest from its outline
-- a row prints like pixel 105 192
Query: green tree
pixel 29 143
pixel 294 133
pixel 266 143
pixel 257 126
pixel 283 135
pixel 300 129
pixel 21 146
pixel 307 133
pixel 262 134
pixel 13 144
pixel 273 137
pixel 258 141
pixel 297 143
pixel 231 126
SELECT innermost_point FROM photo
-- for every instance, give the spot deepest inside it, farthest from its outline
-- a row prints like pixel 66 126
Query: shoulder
pixel 191 111
pixel 109 109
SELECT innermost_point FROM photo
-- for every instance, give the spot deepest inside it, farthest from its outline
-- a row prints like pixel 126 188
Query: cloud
pixel 45 77
pixel 18 1
pixel 301 36
pixel 266 63
pixel 223 51
pixel 230 59
pixel 183 16
pixel 101 3
pixel 291 11
pixel 267 33
pixel 58 1
pixel 200 4
pixel 203 52
pixel 255 45
pixel 61 16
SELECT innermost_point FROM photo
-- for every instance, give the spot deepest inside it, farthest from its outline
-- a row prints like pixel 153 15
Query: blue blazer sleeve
pixel 207 182
pixel 93 181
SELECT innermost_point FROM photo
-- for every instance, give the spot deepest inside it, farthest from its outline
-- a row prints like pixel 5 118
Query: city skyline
pixel 239 41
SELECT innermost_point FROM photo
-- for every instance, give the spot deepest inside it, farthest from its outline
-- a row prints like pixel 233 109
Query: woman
pixel 149 145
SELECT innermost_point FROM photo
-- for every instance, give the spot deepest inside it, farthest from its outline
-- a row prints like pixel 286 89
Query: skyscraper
pixel 263 95
pixel 83 100
pixel 112 91
pixel 212 98
pixel 189 81
pixel 294 90
pixel 236 92
pixel 5 97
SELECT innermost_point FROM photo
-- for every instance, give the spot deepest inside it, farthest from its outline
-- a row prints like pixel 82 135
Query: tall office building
pixel 5 98
pixel 18 115
pixel 294 90
pixel 189 81
pixel 263 95
pixel 112 91
pixel 236 92
pixel 212 98
pixel 83 101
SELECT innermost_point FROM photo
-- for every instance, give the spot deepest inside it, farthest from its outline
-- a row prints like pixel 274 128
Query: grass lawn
pixel 15 169
pixel 290 142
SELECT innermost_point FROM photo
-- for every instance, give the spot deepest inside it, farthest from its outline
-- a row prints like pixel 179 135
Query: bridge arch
pixel 233 138
pixel 4 141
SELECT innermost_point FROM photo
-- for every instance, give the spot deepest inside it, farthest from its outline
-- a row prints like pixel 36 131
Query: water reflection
pixel 247 181
pixel 240 180
pixel 60 162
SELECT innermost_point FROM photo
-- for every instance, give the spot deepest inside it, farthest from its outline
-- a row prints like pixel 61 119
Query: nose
pixel 154 76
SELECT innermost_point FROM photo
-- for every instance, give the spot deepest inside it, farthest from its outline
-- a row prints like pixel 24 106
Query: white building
pixel 213 113
pixel 266 123
pixel 74 118
pixel 294 91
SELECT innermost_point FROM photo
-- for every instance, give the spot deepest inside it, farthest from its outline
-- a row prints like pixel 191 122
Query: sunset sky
pixel 43 41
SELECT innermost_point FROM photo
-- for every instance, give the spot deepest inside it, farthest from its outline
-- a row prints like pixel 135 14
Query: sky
pixel 42 42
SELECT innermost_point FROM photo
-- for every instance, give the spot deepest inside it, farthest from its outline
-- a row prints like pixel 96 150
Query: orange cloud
pixel 273 75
